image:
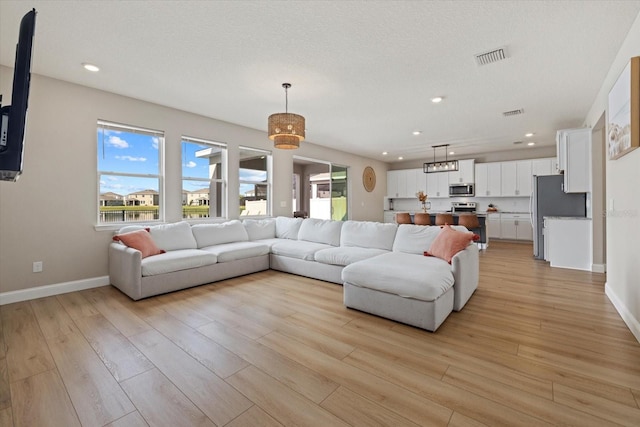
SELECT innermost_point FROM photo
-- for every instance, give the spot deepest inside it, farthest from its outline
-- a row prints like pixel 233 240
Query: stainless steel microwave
pixel 461 190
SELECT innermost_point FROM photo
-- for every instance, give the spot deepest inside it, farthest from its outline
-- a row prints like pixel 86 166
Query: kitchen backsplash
pixel 504 204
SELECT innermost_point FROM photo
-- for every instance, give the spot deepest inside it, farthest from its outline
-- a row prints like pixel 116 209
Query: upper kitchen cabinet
pixel 438 184
pixel 516 178
pixel 546 166
pixel 488 179
pixel 465 173
pixel 405 183
pixel 574 158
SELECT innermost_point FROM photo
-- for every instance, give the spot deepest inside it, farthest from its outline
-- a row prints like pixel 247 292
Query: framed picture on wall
pixel 623 112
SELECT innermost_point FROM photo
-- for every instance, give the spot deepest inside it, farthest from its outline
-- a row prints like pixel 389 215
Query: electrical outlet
pixel 37 267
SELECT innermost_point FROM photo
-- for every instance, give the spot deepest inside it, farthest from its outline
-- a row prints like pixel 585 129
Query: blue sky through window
pixel 127 152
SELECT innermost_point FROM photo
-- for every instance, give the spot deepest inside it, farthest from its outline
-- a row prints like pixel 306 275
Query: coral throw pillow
pixel 449 242
pixel 140 240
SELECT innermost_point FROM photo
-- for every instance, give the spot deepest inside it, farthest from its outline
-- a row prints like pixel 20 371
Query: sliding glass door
pixel 319 189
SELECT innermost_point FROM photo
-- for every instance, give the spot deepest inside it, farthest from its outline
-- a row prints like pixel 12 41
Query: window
pixel 255 182
pixel 204 171
pixel 129 173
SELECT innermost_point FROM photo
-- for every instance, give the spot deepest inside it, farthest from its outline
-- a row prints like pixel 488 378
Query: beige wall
pixel 622 203
pixel 38 223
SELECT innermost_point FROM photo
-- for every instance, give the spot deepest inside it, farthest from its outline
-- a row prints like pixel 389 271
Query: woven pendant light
pixel 286 130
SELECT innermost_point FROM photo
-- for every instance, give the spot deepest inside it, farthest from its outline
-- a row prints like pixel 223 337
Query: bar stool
pixel 444 218
pixel 403 218
pixel 470 221
pixel 421 218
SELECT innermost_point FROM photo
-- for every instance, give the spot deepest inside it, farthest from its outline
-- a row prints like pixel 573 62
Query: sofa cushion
pixel 320 231
pixel 171 237
pixel 287 228
pixel 402 274
pixel 416 239
pixel 364 234
pixel 216 234
pixel 258 229
pixel 226 252
pixel 300 249
pixel 182 259
pixel 346 255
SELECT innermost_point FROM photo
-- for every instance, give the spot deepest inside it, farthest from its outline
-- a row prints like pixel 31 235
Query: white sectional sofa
pixel 381 266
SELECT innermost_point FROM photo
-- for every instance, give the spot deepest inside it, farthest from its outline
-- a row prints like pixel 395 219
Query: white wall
pixel 50 213
pixel 622 203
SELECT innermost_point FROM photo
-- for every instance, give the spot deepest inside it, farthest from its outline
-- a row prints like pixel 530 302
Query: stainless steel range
pixel 458 207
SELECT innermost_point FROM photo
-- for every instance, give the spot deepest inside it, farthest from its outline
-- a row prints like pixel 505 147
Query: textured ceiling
pixel 362 72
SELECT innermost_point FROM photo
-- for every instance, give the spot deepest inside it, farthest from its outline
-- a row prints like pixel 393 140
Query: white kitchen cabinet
pixel 405 183
pixel 389 217
pixel 392 183
pixel 516 178
pixel 574 157
pixel 416 181
pixel 438 185
pixel 541 167
pixel 465 173
pixel 493 226
pixel 488 179
pixel 515 227
pixel 568 242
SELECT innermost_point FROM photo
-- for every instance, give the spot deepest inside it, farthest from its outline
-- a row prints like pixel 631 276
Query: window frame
pixel 224 213
pixel 102 125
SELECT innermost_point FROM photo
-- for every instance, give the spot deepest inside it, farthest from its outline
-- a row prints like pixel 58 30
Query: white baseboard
pixel 632 322
pixel 599 268
pixel 55 289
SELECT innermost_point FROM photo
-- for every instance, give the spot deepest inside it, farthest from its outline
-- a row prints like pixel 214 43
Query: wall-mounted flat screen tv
pixel 14 116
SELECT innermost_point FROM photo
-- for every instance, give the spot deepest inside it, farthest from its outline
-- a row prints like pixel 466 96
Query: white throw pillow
pixel 259 229
pixel 216 234
pixel 287 228
pixel 171 237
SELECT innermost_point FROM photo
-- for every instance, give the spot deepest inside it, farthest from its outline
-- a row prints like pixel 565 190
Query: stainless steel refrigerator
pixel 548 199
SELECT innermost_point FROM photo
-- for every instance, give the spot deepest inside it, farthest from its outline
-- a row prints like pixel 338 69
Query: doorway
pixel 320 189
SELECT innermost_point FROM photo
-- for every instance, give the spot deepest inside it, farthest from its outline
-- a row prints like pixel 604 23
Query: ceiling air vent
pixel 513 112
pixel 491 56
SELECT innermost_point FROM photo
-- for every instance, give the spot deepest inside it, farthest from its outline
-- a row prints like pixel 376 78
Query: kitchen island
pixel 482 219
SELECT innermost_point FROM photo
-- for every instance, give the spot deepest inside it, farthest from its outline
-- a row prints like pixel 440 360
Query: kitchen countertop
pixel 571 218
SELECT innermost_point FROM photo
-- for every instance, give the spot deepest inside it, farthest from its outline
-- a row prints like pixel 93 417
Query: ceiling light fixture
pixel 90 67
pixel 400 158
pixel 442 166
pixel 451 153
pixel 528 135
pixel 286 130
pixel 531 143
pixel 437 99
pixel 384 153
pixel 417 132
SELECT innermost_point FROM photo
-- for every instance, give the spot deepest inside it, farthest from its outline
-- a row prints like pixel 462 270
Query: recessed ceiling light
pixel 400 158
pixel 531 143
pixel 528 135
pixel 451 153
pixel 417 132
pixel 90 67
pixel 436 99
pixel 384 153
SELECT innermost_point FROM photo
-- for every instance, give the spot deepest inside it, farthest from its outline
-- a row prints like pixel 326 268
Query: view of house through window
pixel 255 182
pixel 129 173
pixel 204 165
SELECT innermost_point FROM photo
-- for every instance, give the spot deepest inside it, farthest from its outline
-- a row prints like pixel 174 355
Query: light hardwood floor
pixel 534 346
